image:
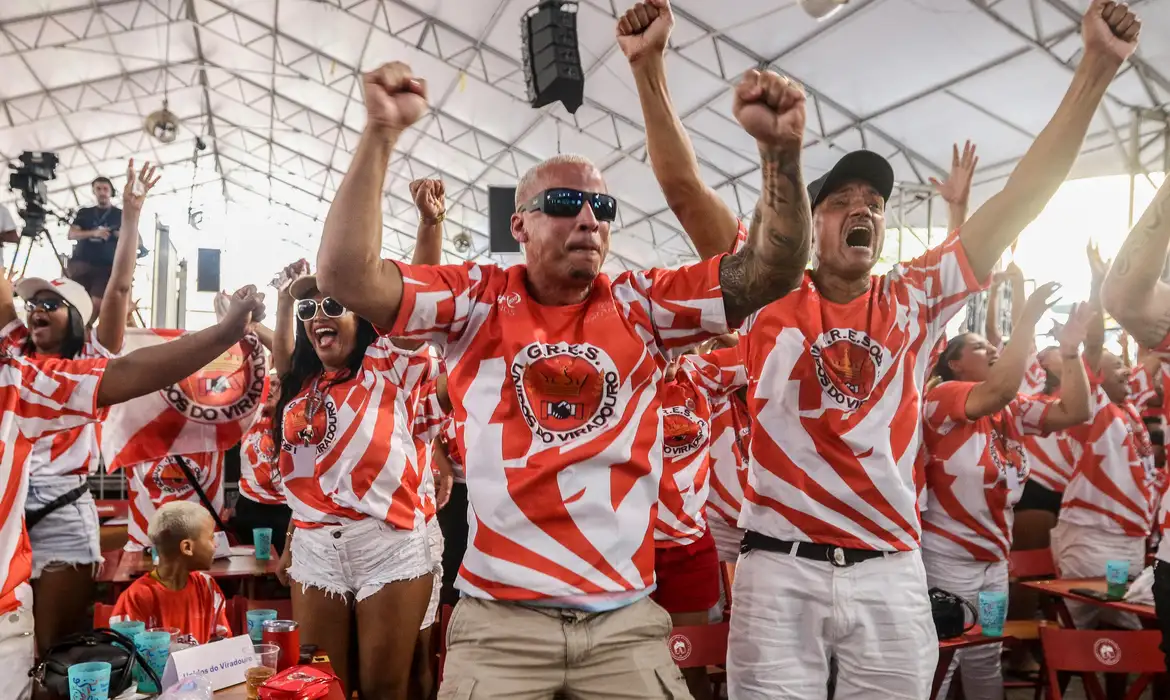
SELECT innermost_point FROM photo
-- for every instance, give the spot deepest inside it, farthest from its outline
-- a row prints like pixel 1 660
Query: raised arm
pixel 642 34
pixel 111 328
pixel 284 339
pixel 1003 379
pixel 158 366
pixel 1095 334
pixel 956 189
pixel 770 108
pixel 350 267
pixel 1073 407
pixel 428 196
pixel 1133 292
pixel 1110 35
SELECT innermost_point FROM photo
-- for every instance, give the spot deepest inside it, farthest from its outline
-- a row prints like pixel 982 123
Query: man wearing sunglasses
pixel 553 374
pixel 831 569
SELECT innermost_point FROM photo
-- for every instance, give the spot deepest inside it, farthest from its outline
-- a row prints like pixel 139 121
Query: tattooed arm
pixel 1133 292
pixel 770 107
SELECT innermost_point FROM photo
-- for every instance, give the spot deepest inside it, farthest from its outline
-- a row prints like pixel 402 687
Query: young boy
pixel 178 593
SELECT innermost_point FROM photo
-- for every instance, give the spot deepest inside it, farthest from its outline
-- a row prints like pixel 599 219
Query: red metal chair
pixel 1031 564
pixel 238 607
pixel 101 615
pixel 1089 652
pixel 701 646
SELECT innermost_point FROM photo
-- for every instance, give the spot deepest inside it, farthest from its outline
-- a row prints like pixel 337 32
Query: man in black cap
pixel 830 565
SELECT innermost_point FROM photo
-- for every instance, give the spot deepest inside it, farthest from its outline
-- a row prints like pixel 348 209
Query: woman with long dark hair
pixel 358 550
pixel 974 421
pixel 61 514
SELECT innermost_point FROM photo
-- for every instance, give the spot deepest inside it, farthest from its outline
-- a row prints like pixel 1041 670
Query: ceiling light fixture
pixel 821 9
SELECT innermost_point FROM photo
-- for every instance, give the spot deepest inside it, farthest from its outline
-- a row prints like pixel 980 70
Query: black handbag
pixel 114 648
pixel 950 621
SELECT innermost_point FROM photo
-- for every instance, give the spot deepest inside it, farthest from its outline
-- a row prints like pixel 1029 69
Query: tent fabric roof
pixel 271 87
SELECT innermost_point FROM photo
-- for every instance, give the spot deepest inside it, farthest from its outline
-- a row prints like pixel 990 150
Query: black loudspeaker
pixel 501 206
pixel 207 274
pixel 552 64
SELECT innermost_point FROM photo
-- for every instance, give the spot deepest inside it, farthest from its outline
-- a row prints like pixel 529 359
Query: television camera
pixel 30 177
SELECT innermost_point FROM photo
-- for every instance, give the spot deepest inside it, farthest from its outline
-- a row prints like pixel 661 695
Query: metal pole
pixel 929 218
pixel 1135 159
pixel 901 219
pixel 163 276
pixel 181 301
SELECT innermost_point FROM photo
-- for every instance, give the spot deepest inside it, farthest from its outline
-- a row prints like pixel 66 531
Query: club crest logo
pixel 1107 651
pixel 168 477
pixel 566 391
pixel 849 364
pixel 260 443
pixel 683 433
pixel 231 387
pixel 298 431
pixel 680 647
pixel 1008 454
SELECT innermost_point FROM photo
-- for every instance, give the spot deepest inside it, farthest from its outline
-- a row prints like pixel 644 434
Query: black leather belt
pixel 837 556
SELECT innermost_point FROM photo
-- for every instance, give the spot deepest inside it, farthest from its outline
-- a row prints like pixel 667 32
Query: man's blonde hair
pixel 528 186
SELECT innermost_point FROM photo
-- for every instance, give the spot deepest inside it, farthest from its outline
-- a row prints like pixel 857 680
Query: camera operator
pixel 96 231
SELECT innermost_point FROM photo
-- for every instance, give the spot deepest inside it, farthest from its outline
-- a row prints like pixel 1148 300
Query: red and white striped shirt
pixel 557 415
pixel 348 448
pixel 835 393
pixel 975 471
pixel 259 470
pixel 450 440
pixel 67 452
pixel 686 440
pixel 36 398
pixel 154 484
pixel 428 423
pixel 1115 486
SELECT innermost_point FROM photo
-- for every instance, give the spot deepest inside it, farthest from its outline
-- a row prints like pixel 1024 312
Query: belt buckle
pixel 837 557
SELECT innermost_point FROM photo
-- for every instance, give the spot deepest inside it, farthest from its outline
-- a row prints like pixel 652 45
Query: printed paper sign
pixel 222 663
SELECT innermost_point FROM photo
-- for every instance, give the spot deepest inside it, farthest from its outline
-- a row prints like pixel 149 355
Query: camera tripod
pixel 19 269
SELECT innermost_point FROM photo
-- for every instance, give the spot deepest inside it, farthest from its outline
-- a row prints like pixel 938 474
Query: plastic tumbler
pixel 89 681
pixel 155 647
pixel 267 655
pixel 1116 577
pixel 285 634
pixel 992 612
pixel 262 538
pixel 130 628
pixel 256 620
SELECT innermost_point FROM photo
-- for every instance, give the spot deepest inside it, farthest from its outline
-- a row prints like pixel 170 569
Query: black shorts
pixel 1039 497
pixel 453 523
pixel 93 277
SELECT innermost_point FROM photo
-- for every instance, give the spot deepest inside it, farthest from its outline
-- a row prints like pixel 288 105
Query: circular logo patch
pixel 848 363
pixel 682 432
pixel 565 391
pixel 298 431
pixel 169 479
pixel 1107 651
pixel 680 647
pixel 229 388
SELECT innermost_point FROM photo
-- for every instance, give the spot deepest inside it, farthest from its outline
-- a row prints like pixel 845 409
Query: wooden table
pixel 131 565
pixel 1062 588
pixel 240 692
pixel 947 649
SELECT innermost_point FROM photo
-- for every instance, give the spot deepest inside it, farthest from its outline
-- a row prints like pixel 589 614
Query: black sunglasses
pixel 565 202
pixel 307 308
pixel 49 305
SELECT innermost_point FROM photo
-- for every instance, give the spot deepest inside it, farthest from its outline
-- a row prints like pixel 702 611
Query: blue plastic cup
pixel 89 681
pixel 262 538
pixel 992 612
pixel 130 628
pixel 1116 577
pixel 155 647
pixel 256 620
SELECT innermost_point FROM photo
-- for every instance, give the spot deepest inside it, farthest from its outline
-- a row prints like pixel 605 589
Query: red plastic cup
pixel 285 634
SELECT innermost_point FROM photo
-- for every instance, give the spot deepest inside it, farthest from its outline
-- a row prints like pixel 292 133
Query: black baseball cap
pixel 866 166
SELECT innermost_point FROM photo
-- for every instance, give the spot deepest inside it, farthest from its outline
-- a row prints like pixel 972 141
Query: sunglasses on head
pixel 566 202
pixel 48 305
pixel 330 307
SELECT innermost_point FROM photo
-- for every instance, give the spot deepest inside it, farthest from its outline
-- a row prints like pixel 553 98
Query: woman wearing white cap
pixel 60 513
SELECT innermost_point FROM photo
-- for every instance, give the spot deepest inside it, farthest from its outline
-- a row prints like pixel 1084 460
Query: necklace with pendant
pixel 312 404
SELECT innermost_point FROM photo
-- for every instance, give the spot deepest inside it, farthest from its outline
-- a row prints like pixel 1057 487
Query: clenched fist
pixel 428 197
pixel 645 29
pixel 1111 29
pixel 770 107
pixel 395 99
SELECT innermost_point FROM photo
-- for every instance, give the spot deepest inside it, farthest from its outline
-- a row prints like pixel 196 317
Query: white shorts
pixel 727 538
pixel 435 545
pixel 1081 552
pixel 358 558
pixel 17 648
pixel 791 615
pixel 68 536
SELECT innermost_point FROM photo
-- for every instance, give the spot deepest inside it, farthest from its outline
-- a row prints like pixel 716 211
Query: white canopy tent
pixel 271 89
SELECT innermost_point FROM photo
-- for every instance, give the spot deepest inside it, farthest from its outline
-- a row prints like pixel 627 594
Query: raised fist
pixel 395 99
pixel 245 307
pixel 645 29
pixel 428 197
pixel 1110 29
pixel 770 107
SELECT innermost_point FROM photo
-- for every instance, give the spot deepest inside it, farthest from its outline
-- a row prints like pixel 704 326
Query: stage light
pixel 822 9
